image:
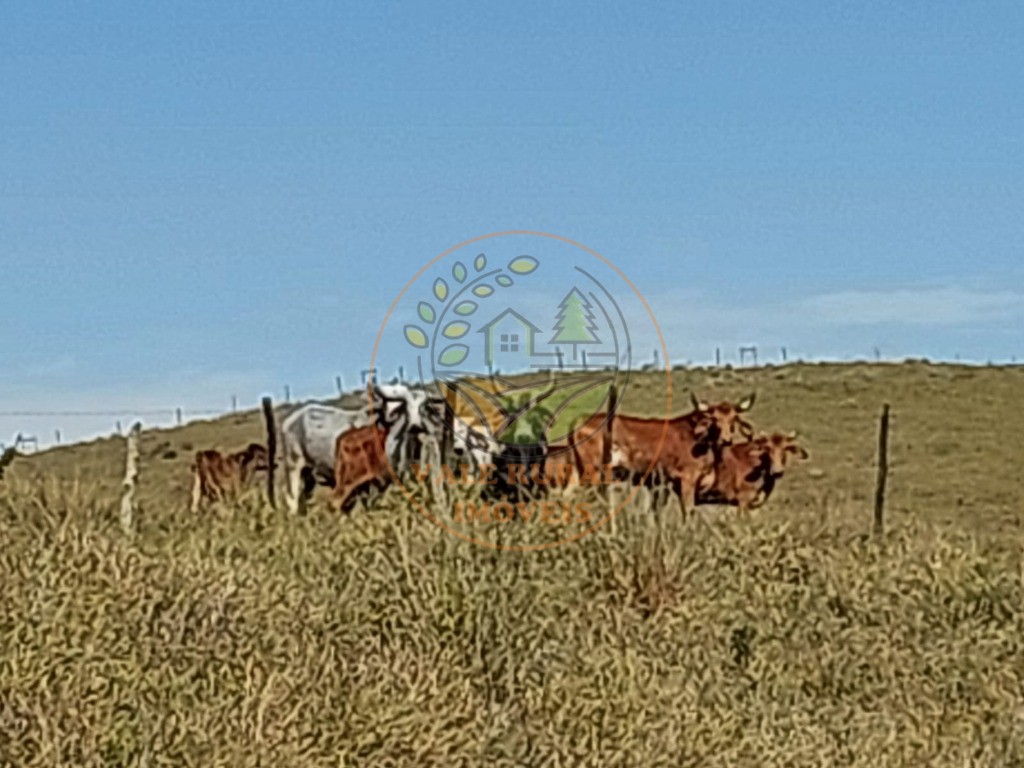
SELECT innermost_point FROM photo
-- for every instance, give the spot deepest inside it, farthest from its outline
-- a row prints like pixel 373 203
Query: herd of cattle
pixel 710 455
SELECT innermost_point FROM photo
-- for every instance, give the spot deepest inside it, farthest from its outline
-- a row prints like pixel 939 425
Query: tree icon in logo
pixel 574 323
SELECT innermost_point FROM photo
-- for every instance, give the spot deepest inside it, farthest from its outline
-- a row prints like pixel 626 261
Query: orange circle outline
pixel 668 405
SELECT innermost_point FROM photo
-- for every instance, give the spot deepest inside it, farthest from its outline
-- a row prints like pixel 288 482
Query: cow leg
pixel 295 487
pixel 687 493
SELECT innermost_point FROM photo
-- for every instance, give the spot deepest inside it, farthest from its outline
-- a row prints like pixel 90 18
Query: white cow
pixel 474 443
pixel 310 433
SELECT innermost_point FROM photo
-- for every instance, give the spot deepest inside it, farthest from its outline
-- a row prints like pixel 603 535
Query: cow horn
pixel 700 406
pixel 747 403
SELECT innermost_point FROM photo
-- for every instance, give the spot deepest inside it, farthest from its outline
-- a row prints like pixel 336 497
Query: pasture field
pixel 792 637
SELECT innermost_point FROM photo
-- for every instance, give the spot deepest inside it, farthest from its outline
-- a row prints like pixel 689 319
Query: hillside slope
pixel 245 636
pixel 957 438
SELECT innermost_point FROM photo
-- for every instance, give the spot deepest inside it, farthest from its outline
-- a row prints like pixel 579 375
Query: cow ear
pixel 747 403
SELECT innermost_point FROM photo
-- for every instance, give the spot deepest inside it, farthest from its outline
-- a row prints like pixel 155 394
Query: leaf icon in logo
pixel 453 355
pixel 465 308
pixel 426 312
pixel 440 289
pixel 524 265
pixel 456 329
pixel 503 280
pixel 415 336
pixel 483 291
pixel 480 263
pixel 459 271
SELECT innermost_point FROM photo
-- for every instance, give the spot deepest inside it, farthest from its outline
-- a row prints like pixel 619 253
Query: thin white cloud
pixel 941 321
pixel 946 306
pixel 58 366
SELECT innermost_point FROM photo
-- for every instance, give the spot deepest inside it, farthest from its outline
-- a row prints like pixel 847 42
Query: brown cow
pixel 359 462
pixel 746 473
pixel 216 477
pixel 687 457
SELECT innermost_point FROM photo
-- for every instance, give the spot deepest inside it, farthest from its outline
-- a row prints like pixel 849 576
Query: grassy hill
pixel 243 636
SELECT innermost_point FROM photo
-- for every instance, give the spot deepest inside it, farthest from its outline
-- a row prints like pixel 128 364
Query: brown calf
pixel 687 456
pixel 359 462
pixel 216 477
pixel 746 473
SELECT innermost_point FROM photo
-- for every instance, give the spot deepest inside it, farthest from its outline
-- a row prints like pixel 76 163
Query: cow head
pixel 722 422
pixel 526 419
pixel 468 443
pixel 398 402
pixel 779 449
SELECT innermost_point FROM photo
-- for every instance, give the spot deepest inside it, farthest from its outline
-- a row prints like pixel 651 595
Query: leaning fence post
pixel 131 477
pixel 606 455
pixel 448 421
pixel 883 468
pixel 268 419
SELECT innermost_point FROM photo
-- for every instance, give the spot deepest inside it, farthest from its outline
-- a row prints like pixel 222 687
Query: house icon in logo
pixel 509 341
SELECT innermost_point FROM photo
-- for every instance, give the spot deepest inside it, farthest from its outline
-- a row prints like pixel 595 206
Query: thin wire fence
pixel 177 416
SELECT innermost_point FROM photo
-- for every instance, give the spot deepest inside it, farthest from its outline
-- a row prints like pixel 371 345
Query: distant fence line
pixel 179 414
pixel 120 414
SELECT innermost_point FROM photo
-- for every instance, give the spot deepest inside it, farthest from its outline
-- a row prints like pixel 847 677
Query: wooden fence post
pixel 606 455
pixel 448 423
pixel 883 469
pixel 268 419
pixel 131 476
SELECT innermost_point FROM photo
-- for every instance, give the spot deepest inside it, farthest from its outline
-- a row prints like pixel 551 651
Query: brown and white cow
pixel 685 459
pixel 216 477
pixel 746 473
pixel 360 463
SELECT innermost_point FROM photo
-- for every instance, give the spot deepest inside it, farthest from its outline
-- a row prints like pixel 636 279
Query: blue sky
pixel 200 200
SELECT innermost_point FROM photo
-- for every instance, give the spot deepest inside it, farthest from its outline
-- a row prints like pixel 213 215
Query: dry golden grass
pixel 246 637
